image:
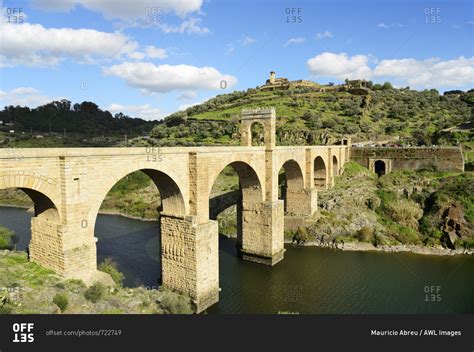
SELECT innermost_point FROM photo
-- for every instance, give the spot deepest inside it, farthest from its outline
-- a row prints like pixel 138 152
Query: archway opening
pixel 257 131
pixel 235 184
pixel 290 181
pixel 320 173
pixel 125 241
pixel 379 167
pixel 19 207
pixel 335 166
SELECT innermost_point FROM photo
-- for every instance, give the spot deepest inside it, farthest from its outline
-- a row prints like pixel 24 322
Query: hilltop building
pixel 273 83
pixel 358 86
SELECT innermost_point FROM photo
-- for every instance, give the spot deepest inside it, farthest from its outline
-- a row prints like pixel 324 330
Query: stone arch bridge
pixel 68 185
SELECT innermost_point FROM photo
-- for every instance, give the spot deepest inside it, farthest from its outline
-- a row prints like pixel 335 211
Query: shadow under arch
pixel 43 206
pixel 290 181
pixel 335 166
pixel 44 194
pixel 29 228
pixel 320 173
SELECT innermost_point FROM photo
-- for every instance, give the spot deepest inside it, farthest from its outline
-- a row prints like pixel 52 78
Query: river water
pixel 308 280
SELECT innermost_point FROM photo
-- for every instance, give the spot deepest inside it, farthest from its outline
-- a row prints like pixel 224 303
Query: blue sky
pixel 151 58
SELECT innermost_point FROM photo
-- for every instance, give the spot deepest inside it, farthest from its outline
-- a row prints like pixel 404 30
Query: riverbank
pixel 28 288
pixel 365 246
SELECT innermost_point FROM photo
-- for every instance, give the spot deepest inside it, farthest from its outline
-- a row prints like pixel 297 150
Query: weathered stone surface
pixel 414 158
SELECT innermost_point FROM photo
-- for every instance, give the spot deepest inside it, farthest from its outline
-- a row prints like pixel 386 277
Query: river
pixel 308 280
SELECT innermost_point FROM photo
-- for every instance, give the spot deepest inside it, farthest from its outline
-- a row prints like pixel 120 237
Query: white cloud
pixel 429 73
pixel 188 26
pixel 34 45
pixel 297 40
pixel 144 111
pixel 340 66
pixel 24 96
pixel 391 25
pixel 137 55
pixel 151 52
pixel 325 34
pixel 155 53
pixel 124 9
pixel 247 40
pixel 167 78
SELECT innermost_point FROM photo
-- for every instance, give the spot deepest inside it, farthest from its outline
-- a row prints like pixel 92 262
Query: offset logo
pixel 23 332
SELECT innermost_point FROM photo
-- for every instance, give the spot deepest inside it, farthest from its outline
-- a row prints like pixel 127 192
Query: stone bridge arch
pixel 265 117
pixel 171 191
pixel 43 191
pixel 46 246
pixel 250 195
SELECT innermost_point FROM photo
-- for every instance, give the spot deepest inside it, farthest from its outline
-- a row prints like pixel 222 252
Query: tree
pixel 377 87
pixel 387 85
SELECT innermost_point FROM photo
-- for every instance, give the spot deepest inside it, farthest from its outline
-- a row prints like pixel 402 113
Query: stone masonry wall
pixel 440 158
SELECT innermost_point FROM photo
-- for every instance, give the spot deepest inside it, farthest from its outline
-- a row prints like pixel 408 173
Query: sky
pixel 151 58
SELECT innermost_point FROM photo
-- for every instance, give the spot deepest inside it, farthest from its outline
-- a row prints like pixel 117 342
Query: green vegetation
pixel 61 300
pixel 135 195
pixel 306 116
pixel 85 118
pixel 7 238
pixel 41 291
pixel 110 267
pixel 95 292
pixel 407 207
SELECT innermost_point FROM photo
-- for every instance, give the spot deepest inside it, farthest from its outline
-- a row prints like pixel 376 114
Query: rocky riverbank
pixel 365 246
pixel 27 288
pixel 425 212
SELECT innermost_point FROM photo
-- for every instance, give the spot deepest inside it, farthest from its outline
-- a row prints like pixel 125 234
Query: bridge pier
pixel 190 258
pixel 59 247
pixel 300 205
pixel 262 232
pixel 303 202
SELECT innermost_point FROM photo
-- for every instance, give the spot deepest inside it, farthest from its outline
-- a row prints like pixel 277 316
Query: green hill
pixel 308 116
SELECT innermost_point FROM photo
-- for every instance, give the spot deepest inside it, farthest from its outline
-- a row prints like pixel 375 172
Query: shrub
pixel 405 212
pixel 110 267
pixel 301 235
pixel 7 238
pixel 174 303
pixel 365 234
pixel 95 292
pixel 61 300
pixel 5 309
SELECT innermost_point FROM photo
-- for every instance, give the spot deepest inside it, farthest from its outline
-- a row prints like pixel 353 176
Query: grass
pixel 61 300
pixel 110 267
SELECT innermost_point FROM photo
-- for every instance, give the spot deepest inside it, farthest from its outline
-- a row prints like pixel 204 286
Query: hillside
pixel 407 207
pixel 63 124
pixel 308 116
